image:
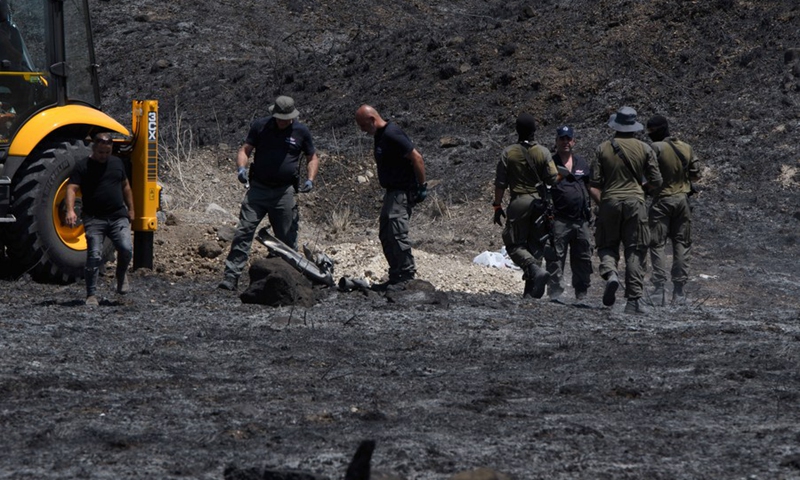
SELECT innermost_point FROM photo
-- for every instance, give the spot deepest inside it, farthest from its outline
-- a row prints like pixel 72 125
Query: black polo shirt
pixel 277 152
pixel 394 169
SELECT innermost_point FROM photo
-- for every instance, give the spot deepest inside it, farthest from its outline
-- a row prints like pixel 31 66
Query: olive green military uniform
pixel 523 167
pixel 670 216
pixel 622 216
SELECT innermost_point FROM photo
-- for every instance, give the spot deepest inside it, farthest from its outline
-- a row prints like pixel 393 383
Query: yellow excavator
pixel 49 109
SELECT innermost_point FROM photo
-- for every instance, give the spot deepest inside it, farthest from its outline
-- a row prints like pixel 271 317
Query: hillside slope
pixel 726 72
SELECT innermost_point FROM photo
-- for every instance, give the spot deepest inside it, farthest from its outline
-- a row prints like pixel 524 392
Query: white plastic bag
pixel 495 259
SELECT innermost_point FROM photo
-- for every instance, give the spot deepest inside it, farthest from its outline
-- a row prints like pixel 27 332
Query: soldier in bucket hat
pixel 279 141
pixel 621 171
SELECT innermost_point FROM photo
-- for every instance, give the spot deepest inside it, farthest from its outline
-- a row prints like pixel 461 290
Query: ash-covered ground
pixel 177 380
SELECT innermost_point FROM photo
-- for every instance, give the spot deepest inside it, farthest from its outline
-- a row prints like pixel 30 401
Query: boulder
pixel 209 249
pixel 275 283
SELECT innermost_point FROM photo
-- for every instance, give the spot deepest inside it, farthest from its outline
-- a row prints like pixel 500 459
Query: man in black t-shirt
pixel 401 171
pixel 107 211
pixel 278 141
pixel 570 226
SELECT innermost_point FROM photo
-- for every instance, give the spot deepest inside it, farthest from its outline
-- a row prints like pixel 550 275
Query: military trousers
pixel 393 227
pixel 575 237
pixel 670 218
pixel 276 202
pixel 525 233
pixel 624 222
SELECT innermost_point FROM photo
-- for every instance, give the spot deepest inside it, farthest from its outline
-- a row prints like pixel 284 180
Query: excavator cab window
pixel 13 54
pixel 21 86
pixel 39 69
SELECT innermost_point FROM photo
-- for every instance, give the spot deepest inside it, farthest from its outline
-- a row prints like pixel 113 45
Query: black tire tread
pixel 26 245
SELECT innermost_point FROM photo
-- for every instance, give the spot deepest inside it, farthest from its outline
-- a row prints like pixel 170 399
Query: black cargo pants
pixel 393 233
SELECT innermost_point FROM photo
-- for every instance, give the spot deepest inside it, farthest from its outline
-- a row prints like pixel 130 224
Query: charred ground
pixel 177 380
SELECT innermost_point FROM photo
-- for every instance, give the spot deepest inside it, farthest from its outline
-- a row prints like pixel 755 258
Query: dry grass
pixel 176 154
pixel 439 207
pixel 341 220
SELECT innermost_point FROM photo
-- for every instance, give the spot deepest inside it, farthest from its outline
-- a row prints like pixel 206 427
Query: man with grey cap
pixel 278 140
pixel 670 215
pixel 525 167
pixel 621 171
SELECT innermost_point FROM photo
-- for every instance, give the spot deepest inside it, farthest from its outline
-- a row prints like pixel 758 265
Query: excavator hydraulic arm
pixel 144 180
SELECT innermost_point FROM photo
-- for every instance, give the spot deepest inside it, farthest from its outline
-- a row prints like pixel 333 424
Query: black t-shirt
pixel 394 169
pixel 101 187
pixel 571 195
pixel 277 156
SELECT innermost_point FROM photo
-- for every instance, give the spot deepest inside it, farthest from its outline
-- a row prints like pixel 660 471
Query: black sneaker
pixel 398 286
pixel 392 285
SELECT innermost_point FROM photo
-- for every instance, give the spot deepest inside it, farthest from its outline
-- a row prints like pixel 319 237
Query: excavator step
pixel 5 198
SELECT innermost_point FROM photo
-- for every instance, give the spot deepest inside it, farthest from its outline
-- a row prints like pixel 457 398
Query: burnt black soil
pixel 178 380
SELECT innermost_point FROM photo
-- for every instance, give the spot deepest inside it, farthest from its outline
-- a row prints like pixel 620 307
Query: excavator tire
pixel 40 243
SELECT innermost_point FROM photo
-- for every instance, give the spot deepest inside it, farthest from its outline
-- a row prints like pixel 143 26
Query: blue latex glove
pixel 422 193
pixel 307 187
pixel 243 175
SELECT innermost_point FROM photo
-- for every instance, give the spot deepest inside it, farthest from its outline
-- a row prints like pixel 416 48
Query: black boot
pixel 657 296
pixel 636 305
pixel 678 295
pixel 535 281
pixel 610 292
